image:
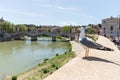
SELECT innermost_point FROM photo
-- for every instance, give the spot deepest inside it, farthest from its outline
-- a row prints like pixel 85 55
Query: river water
pixel 19 56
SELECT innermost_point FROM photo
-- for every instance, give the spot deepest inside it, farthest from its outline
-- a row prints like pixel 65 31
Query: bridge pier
pixel 33 38
pixel 34 35
pixel 77 37
pixel 53 38
pixel 72 38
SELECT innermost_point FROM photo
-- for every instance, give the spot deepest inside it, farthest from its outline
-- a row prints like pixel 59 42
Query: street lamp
pixel 118 29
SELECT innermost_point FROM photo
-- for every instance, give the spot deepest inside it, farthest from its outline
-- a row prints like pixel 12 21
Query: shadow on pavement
pixel 91 44
pixel 90 58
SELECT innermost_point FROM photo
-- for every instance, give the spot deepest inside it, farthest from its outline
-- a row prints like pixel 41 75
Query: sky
pixel 58 12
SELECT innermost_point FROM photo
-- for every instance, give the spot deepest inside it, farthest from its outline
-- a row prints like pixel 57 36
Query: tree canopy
pixel 10 27
pixel 66 29
pixel 22 27
pixel 91 30
pixel 7 26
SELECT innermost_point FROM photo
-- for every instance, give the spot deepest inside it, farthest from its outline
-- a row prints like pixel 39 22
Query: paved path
pixel 100 65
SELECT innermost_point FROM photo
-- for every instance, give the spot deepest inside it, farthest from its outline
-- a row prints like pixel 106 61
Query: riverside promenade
pixel 100 65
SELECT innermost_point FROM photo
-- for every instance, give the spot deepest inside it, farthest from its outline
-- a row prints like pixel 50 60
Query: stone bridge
pixel 34 35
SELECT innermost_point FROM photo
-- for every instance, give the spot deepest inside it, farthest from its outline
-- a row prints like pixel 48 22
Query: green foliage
pixel 7 26
pixel 57 67
pixel 22 28
pixel 46 59
pixel 65 53
pixel 14 78
pixel 67 29
pixel 59 37
pixel 45 35
pixel 51 65
pixel 51 72
pixel 91 30
pixel 45 71
pixel 10 27
pixel 70 47
pixel 49 30
pixel 57 54
pixel 32 28
pixel 39 64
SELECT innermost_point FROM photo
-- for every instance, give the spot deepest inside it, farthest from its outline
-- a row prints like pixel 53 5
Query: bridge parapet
pixel 38 34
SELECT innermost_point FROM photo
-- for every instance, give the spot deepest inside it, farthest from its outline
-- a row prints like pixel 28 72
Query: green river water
pixel 19 56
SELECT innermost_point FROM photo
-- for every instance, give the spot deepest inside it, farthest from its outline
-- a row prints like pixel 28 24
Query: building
pixel 111 28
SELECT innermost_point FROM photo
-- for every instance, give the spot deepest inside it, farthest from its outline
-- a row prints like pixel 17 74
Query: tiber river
pixel 19 56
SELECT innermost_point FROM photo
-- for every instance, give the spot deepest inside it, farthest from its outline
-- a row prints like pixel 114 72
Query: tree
pixel 67 29
pixel 22 28
pixel 4 25
pixel 7 26
pixel 49 30
pixel 11 28
pixel 32 28
pixel 84 26
pixel 91 31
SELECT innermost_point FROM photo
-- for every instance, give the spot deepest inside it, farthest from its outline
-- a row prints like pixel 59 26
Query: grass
pixel 53 64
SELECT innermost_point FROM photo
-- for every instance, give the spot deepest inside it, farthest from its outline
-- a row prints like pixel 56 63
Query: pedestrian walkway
pixel 100 65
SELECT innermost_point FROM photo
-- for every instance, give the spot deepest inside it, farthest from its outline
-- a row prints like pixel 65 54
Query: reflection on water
pixel 17 56
pixel 28 42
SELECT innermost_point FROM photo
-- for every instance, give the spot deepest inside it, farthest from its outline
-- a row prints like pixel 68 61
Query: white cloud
pixel 61 7
pixel 66 8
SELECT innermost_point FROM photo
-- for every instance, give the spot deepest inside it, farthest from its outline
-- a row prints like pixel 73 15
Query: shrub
pixel 59 37
pixel 14 78
pixel 91 31
pixel 51 72
pixel 53 65
pixel 45 71
pixel 46 59
pixel 70 47
pixel 57 54
pixel 57 67
pixel 39 64
pixel 65 53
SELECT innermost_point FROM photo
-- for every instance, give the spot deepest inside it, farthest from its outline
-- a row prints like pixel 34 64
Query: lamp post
pixel 118 30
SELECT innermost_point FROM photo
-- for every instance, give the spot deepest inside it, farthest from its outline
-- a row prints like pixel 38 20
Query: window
pixel 111 28
pixel 104 28
pixel 104 22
